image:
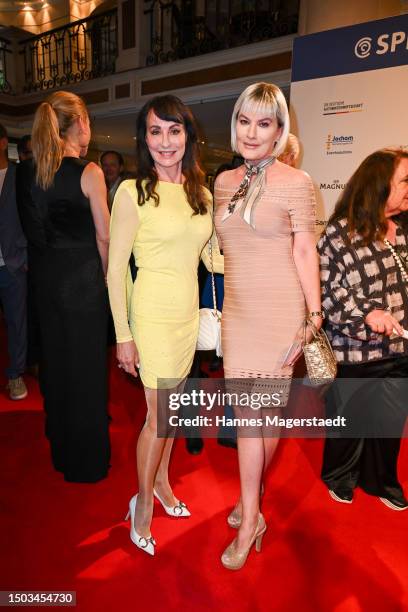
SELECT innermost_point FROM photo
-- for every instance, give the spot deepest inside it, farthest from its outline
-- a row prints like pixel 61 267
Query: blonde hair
pixel 51 121
pixel 265 98
pixel 292 148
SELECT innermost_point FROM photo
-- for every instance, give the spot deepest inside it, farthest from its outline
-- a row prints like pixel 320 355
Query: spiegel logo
pixel 385 43
pixel 363 47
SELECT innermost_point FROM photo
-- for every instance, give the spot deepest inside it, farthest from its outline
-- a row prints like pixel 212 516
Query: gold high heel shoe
pixel 235 517
pixel 234 560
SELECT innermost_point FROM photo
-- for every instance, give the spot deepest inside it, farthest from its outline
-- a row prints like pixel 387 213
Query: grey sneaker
pixel 17 388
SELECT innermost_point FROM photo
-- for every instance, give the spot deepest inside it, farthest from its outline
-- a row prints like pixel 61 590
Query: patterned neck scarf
pixel 246 198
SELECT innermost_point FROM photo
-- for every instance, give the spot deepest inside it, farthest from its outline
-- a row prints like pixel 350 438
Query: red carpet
pixel 317 555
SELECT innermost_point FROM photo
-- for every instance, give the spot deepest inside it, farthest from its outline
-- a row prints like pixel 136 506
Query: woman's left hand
pixel 128 357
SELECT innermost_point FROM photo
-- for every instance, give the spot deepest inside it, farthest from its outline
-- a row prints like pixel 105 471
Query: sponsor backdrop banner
pixel 349 97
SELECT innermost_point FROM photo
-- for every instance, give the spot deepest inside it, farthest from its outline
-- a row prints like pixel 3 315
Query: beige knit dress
pixel 264 305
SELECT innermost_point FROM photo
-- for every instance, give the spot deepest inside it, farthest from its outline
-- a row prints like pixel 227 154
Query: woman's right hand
pixel 382 322
pixel 128 357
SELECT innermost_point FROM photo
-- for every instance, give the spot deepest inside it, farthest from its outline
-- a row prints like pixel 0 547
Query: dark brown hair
pixel 169 108
pixel 366 193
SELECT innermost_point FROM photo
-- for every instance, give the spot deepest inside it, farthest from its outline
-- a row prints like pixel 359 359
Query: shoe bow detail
pixel 146 541
pixel 179 508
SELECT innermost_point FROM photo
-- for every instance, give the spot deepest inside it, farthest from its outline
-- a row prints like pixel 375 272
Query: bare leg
pixel 161 483
pixel 251 455
pixel 149 452
pixel 153 456
pixel 270 445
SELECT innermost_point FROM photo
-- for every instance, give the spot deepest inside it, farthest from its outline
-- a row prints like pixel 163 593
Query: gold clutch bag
pixel 320 360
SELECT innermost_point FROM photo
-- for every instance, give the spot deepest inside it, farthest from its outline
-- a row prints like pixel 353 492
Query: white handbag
pixel 209 331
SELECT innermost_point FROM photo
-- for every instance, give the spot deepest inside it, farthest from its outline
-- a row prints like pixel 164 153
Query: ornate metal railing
pixel 186 28
pixel 5 54
pixel 79 51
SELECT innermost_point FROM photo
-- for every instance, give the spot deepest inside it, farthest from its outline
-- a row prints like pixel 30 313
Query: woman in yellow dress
pixel 165 219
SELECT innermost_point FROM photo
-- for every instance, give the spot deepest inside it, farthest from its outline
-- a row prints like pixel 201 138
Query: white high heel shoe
pixel 179 510
pixel 145 544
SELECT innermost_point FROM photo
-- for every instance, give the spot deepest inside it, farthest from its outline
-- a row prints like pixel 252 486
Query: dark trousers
pixel 370 462
pixel 33 323
pixel 13 296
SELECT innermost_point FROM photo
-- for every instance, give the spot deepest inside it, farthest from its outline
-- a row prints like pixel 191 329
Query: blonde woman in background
pixel 291 152
pixel 63 206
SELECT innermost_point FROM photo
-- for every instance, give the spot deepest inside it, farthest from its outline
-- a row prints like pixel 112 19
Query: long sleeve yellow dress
pixel 167 242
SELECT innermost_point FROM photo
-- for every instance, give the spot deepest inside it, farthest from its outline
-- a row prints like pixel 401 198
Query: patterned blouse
pixel 356 279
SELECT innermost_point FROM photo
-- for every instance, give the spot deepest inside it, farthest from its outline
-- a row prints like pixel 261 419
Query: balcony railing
pixel 5 55
pixel 186 28
pixel 79 51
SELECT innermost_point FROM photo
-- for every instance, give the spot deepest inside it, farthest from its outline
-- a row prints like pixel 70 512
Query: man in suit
pixel 113 167
pixel 24 149
pixel 13 281
pixel 25 153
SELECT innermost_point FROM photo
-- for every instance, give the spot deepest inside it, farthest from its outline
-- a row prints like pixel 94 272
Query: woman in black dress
pixel 63 206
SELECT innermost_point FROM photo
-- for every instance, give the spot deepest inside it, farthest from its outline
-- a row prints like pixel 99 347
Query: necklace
pixel 397 259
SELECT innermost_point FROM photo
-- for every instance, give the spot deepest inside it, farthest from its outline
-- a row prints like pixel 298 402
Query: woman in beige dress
pixel 265 221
